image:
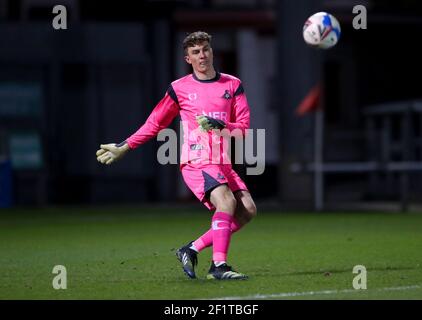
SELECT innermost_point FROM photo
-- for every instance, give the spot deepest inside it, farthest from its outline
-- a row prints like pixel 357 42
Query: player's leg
pixel 223 199
pixel 225 203
pixel 205 240
pixel 245 209
pixel 201 180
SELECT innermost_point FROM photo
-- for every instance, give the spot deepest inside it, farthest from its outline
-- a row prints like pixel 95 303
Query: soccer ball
pixel 321 30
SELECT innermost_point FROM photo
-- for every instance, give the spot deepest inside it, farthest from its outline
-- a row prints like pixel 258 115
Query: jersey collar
pixel 216 78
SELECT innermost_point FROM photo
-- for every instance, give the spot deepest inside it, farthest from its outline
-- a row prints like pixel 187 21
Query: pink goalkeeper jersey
pixel 221 98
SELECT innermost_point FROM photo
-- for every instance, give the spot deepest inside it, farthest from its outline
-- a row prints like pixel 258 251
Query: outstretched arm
pixel 161 117
pixel 240 113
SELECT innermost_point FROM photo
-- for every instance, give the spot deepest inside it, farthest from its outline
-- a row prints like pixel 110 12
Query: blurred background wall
pixel 63 92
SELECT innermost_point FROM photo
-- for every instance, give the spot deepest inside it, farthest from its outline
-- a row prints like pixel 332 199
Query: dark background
pixel 63 92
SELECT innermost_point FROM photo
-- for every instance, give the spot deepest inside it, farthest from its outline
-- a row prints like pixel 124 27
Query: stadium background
pixel 63 92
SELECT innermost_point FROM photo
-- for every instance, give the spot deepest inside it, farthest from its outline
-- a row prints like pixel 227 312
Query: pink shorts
pixel 203 178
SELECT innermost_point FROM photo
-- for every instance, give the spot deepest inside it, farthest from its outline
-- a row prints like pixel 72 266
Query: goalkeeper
pixel 209 103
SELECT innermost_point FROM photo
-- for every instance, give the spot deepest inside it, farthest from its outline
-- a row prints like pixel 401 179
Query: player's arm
pixel 161 117
pixel 240 119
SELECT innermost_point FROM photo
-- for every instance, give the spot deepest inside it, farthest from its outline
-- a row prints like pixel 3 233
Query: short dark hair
pixel 195 38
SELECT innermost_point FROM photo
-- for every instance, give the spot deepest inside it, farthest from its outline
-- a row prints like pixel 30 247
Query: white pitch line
pixel 311 293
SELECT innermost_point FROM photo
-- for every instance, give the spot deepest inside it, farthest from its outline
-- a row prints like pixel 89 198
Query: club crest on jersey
pixel 192 96
pixel 227 95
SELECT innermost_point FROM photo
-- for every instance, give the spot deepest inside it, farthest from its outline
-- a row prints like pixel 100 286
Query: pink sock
pixel 235 226
pixel 221 234
pixel 205 240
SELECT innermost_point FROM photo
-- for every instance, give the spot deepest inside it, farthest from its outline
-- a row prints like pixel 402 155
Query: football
pixel 321 30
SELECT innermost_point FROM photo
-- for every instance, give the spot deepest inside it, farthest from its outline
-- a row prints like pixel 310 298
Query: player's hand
pixel 207 123
pixel 111 152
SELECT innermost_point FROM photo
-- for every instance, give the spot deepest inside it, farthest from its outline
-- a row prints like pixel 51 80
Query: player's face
pixel 200 57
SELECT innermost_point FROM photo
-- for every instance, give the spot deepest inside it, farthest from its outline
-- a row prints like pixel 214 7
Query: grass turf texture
pixel 129 253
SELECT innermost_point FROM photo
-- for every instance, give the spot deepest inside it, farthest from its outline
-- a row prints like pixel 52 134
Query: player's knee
pixel 224 200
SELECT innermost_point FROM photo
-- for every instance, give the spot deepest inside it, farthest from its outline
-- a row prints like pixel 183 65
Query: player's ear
pixel 187 59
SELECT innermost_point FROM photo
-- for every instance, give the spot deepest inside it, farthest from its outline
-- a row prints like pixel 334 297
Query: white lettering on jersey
pixel 216 115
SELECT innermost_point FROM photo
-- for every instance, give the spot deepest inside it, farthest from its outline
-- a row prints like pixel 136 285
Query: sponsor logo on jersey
pixel 196 147
pixel 221 115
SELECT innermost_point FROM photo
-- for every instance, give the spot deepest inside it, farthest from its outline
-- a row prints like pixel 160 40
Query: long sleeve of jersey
pixel 160 118
pixel 240 114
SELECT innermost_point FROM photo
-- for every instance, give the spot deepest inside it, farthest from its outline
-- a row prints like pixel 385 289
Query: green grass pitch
pixel 129 253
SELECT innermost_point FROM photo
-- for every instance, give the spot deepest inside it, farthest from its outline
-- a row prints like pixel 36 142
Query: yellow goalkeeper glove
pixel 207 123
pixel 111 152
